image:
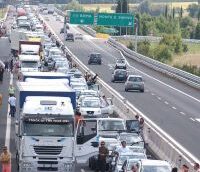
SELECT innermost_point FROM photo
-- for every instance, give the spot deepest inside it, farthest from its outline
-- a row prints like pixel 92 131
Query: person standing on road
pixel 175 169
pixel 103 153
pixel 12 103
pixel 11 65
pixel 11 90
pixel 1 72
pixel 5 160
pixel 184 168
pixel 123 148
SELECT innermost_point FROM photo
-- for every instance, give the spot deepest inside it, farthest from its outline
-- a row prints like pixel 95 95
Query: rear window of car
pixel 95 55
pixel 135 79
pixel 120 72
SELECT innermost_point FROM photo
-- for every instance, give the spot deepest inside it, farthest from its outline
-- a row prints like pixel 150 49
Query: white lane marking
pixel 152 94
pixel 173 107
pixel 159 98
pixel 198 119
pixel 8 123
pixel 192 119
pixel 161 82
pixel 182 113
pixel 82 170
pixel 166 103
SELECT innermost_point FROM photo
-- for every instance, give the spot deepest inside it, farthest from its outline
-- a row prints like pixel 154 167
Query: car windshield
pixel 135 79
pixel 90 103
pixel 95 55
pixel 29 64
pixel 56 53
pixel 121 61
pixel 123 158
pixel 110 125
pixel 151 168
pixel 45 129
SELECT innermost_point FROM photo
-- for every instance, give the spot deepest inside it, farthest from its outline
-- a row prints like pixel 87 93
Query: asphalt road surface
pixel 172 105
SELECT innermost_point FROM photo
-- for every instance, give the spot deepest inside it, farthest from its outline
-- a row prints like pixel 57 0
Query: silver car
pixel 134 82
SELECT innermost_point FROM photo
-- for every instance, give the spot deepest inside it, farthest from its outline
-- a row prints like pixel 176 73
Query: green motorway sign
pixel 115 19
pixel 81 18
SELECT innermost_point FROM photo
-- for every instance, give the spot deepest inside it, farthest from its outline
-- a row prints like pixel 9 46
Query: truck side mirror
pixel 95 144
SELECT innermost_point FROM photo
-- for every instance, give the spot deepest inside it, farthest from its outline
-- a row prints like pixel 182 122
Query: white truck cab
pixel 29 63
pixel 45 135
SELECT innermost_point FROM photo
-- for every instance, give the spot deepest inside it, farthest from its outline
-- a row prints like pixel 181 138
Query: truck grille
pixel 48 150
pixel 47 169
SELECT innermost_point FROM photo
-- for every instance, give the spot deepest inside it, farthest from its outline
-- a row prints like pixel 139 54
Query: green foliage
pixel 185 48
pixel 197 31
pixel 144 48
pixel 189 68
pixel 144 7
pixel 162 53
pixel 173 42
pixel 131 46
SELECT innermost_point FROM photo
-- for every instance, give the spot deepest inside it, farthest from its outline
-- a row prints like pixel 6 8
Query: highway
pixel 171 104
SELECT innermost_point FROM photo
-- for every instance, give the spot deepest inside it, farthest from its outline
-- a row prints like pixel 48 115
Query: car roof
pixel 95 53
pixel 120 70
pixel 154 162
pixel 135 76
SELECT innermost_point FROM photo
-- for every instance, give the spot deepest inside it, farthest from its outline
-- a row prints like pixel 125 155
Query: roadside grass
pixel 102 7
pixel 192 57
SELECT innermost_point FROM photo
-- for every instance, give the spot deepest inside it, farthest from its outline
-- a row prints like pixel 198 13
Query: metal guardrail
pixel 159 141
pixel 151 38
pixel 185 77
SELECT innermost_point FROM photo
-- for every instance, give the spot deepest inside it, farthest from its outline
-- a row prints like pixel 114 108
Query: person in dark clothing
pixel 103 153
pixel 175 169
pixel 6 65
pixel 11 65
pixel 1 73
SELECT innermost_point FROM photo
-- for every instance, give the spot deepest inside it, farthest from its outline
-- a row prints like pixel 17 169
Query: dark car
pixel 69 37
pixel 119 75
pixel 94 58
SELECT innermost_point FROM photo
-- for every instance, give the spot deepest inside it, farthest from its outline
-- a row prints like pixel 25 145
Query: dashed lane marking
pixel 192 119
pixel 166 103
pixel 159 98
pixel 182 113
pixel 198 119
pixel 173 107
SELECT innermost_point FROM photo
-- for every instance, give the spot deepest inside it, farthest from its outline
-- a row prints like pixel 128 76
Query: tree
pixel 181 12
pixel 145 7
pixel 173 13
pixel 166 11
pixel 198 16
pixel 144 48
pixel 197 31
pixel 162 53
pixel 186 22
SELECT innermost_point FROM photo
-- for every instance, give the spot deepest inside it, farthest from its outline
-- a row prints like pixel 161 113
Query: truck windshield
pixel 51 130
pixel 109 125
pixel 29 64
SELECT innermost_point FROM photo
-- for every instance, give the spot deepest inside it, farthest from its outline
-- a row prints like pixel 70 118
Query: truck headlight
pixel 27 164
